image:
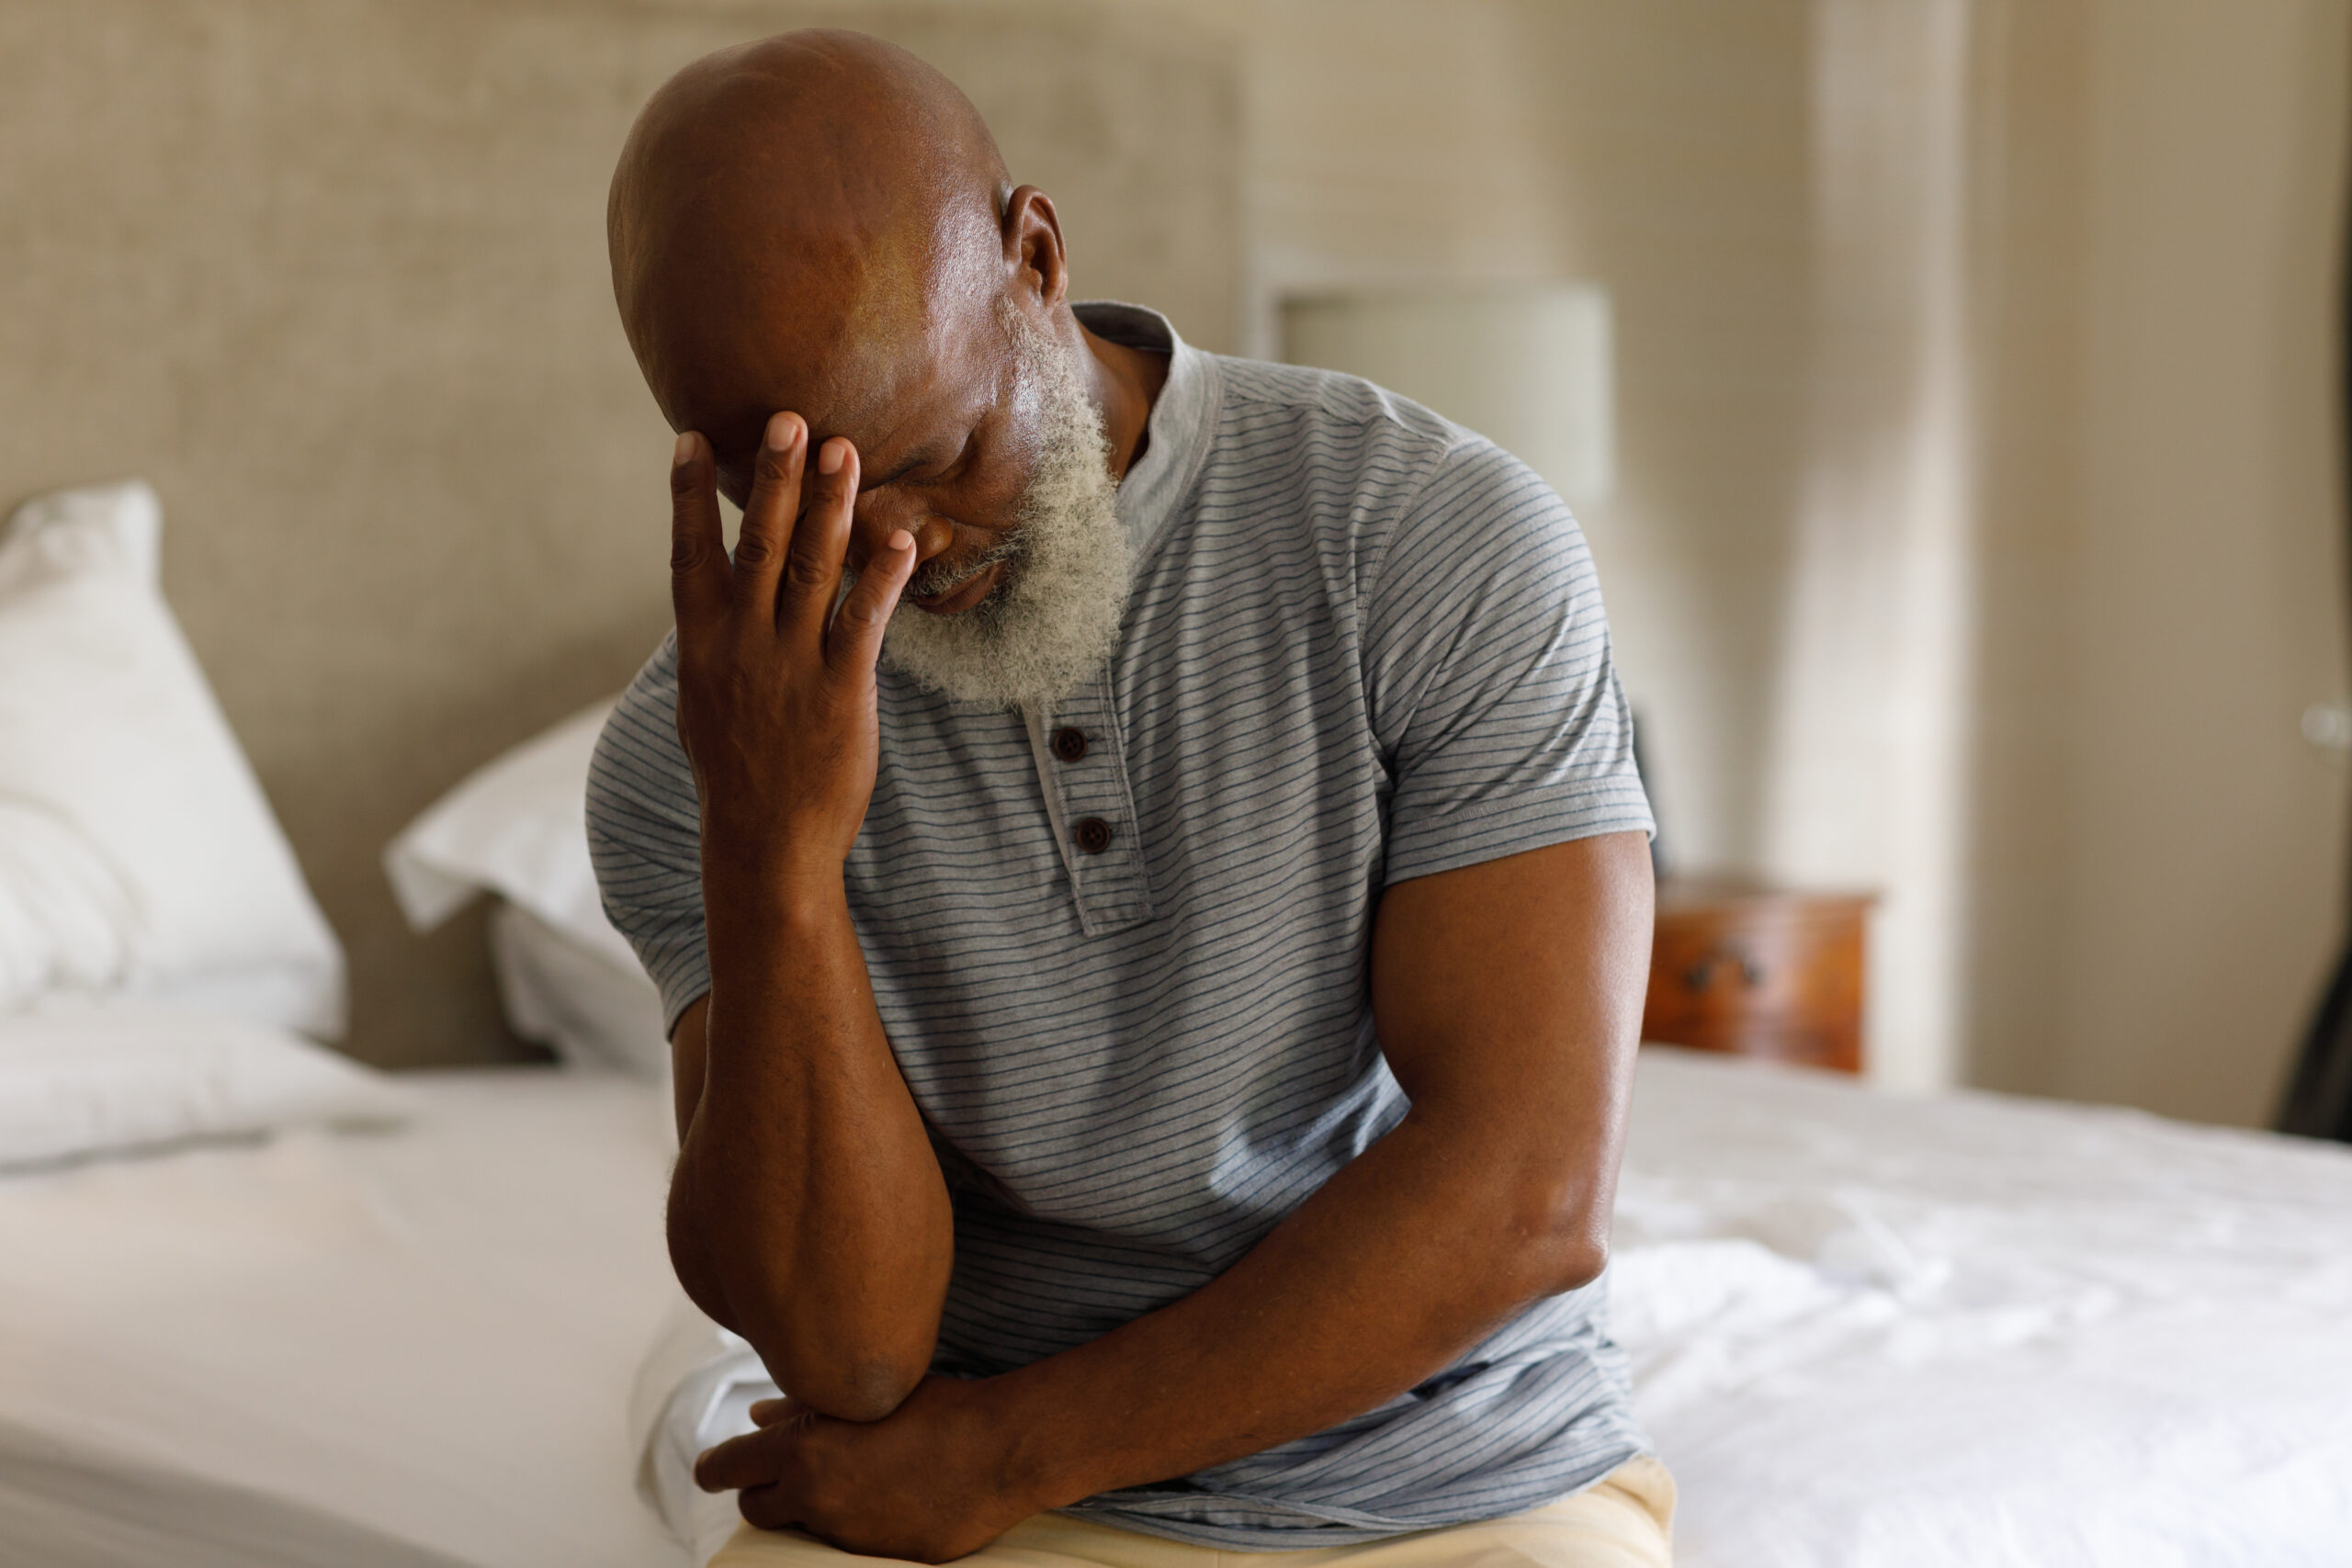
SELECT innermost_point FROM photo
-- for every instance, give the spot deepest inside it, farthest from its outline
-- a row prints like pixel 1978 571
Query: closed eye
pixel 927 466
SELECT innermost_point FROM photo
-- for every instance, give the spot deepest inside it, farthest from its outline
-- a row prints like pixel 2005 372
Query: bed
pixel 260 1306
pixel 1866 1332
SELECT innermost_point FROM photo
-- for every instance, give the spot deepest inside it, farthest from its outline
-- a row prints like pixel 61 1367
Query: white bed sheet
pixel 1866 1331
pixel 1872 1331
pixel 405 1350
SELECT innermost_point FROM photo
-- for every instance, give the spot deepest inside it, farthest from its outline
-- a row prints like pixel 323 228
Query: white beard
pixel 1054 619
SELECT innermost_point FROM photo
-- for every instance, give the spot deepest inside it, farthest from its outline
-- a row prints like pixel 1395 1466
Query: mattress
pixel 404 1349
pixel 1965 1330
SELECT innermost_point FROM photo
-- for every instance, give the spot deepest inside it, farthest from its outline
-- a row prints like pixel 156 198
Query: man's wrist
pixel 1042 1451
pixel 774 889
pixel 761 925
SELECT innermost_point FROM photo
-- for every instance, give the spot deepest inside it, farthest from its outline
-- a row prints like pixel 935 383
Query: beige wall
pixel 2158 857
pixel 2033 70
pixel 2205 861
pixel 333 276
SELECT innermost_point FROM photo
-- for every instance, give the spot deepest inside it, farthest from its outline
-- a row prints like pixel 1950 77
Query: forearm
pixel 1385 1277
pixel 808 1205
pixel 1508 996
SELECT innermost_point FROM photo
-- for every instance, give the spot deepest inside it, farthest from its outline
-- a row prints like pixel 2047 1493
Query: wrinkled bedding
pixel 1970 1330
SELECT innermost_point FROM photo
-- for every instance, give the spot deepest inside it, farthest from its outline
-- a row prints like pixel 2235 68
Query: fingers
pixel 769 1508
pixel 751 1459
pixel 812 572
pixel 856 639
pixel 768 1412
pixel 768 514
pixel 698 574
pixel 757 1457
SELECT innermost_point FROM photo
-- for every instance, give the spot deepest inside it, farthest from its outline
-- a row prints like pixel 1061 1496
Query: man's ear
pixel 1033 245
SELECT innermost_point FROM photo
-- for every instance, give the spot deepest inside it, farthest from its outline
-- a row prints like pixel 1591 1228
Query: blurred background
pixel 1957 428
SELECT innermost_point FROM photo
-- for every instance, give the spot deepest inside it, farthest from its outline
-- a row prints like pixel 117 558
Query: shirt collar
pixel 1182 418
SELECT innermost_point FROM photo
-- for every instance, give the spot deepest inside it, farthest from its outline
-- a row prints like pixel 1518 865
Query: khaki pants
pixel 1624 1520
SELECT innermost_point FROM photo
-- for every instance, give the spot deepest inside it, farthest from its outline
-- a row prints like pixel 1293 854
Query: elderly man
pixel 1143 859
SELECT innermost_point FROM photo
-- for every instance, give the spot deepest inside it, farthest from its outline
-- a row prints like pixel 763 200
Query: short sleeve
pixel 645 835
pixel 1493 689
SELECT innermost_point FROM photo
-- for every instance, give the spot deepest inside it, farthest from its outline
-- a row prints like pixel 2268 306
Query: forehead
pixel 902 356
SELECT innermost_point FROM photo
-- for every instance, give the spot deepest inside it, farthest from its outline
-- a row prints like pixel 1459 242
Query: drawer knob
pixel 1701 975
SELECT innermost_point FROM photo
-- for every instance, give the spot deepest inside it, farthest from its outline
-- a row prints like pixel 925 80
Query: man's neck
pixel 1126 382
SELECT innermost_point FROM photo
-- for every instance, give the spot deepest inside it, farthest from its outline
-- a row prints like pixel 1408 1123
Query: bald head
pixel 795 224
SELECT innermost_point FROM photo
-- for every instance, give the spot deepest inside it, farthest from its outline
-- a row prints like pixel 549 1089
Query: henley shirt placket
pixel 1082 769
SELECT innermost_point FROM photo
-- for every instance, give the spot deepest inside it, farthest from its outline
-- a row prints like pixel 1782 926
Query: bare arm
pixel 1508 1001
pixel 806 1211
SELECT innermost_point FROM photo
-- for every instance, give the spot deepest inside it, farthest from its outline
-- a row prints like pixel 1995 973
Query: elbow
pixel 839 1352
pixel 849 1374
pixel 1573 1263
pixel 850 1388
pixel 844 1375
pixel 1562 1239
pixel 834 1357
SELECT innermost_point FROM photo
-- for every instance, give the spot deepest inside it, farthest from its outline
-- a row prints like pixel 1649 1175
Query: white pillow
pixel 560 992
pixel 137 853
pixel 81 1077
pixel 518 826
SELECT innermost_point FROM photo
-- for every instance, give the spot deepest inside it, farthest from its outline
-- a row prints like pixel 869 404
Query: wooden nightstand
pixel 1757 971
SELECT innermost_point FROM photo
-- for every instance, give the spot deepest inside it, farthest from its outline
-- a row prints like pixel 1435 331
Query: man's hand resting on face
pixel 776 690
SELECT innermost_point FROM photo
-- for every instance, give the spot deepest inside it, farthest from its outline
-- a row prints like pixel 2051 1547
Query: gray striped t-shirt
pixel 1362 644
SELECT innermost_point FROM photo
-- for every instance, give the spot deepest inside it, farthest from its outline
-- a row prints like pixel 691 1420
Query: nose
pixel 880 513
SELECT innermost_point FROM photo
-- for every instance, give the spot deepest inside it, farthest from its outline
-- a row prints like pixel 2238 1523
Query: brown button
pixel 1093 834
pixel 1069 744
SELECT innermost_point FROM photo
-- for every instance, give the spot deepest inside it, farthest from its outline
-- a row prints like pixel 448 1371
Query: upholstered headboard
pixel 332 278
